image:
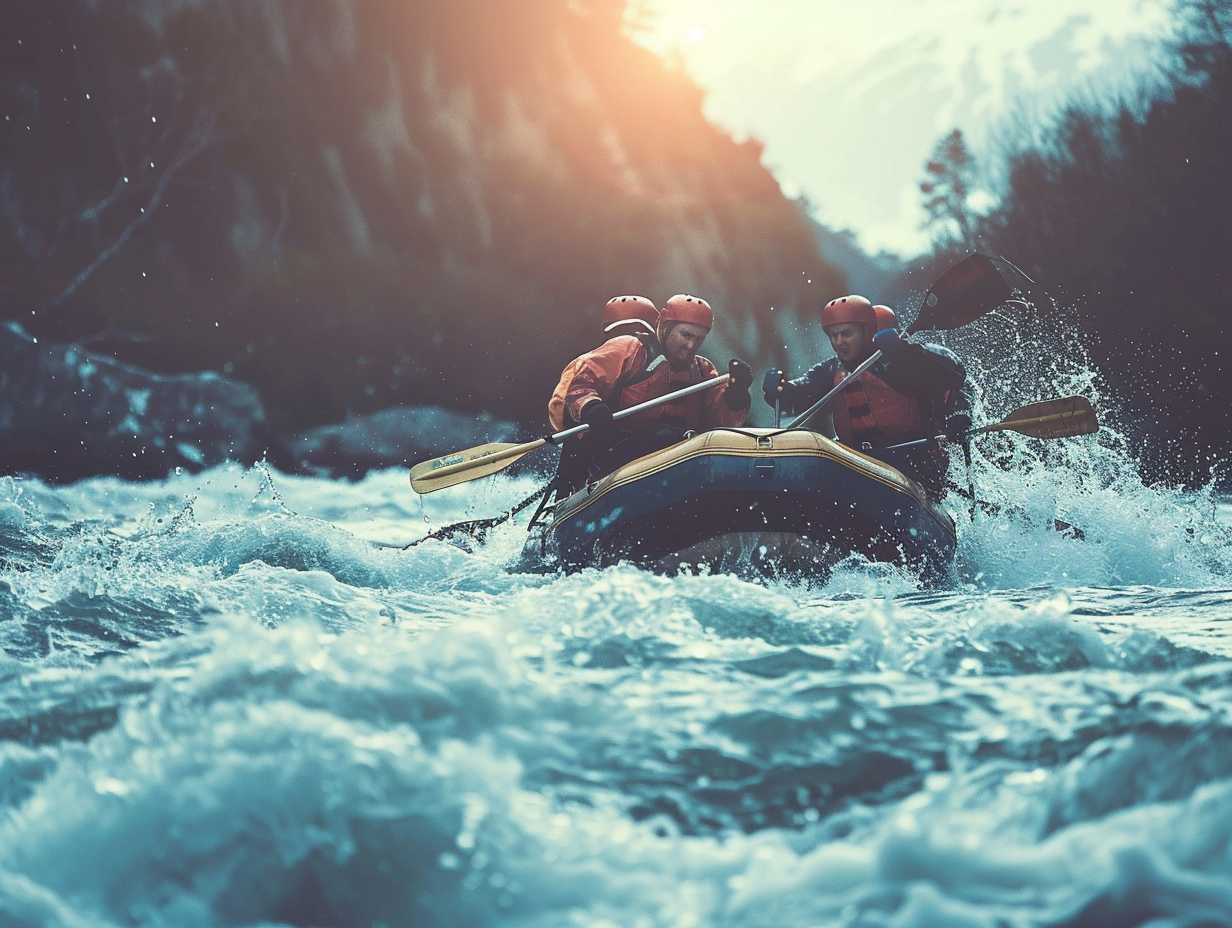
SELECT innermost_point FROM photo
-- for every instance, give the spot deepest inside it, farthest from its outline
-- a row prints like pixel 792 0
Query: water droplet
pixel 970 665
pixel 111 786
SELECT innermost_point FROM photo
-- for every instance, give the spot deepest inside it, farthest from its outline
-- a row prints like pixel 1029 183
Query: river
pixel 220 704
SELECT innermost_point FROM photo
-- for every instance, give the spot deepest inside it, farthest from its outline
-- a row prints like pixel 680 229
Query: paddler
pixel 630 369
pixel 622 315
pixel 631 315
pixel 914 391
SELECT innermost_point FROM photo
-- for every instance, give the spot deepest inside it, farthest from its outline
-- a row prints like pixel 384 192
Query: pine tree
pixel 947 183
pixel 1204 36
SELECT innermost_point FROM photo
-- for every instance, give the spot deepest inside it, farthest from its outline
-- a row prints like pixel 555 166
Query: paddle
pixel 1060 418
pixel 1064 417
pixel 970 289
pixel 463 466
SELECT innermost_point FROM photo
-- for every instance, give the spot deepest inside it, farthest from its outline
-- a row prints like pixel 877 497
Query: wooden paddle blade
pixel 968 290
pixel 1059 418
pixel 471 464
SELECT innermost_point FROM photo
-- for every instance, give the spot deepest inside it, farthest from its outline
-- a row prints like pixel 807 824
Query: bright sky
pixel 850 97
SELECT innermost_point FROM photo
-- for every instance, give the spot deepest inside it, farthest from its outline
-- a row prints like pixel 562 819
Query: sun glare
pixel 894 75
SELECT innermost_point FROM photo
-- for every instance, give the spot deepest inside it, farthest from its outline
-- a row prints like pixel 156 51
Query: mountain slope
pixel 366 203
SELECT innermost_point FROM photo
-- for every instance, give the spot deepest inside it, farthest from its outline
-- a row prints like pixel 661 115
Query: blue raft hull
pixel 755 501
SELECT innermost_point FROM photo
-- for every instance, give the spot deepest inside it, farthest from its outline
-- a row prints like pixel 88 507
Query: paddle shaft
pixel 835 391
pixel 650 404
pixel 518 450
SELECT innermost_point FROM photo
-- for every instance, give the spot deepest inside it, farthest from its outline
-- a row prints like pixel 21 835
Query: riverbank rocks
pixel 67 413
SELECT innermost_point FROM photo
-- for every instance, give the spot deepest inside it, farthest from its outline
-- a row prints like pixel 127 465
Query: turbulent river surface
pixel 221 704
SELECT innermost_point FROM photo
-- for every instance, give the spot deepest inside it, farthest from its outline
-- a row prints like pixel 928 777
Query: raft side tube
pixel 808 498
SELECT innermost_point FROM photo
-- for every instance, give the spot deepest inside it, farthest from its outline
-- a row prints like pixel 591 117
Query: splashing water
pixel 223 705
pixel 1135 533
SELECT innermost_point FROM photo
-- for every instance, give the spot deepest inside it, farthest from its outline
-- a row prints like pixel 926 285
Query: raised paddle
pixel 1064 417
pixel 970 289
pixel 462 466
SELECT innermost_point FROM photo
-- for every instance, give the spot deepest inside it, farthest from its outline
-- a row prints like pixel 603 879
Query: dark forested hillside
pixel 357 204
pixel 1124 214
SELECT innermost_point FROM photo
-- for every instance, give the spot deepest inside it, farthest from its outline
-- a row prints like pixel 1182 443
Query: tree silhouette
pixel 947 185
pixel 1205 36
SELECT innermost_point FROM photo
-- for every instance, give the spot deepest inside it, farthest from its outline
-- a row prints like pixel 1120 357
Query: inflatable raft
pixel 762 501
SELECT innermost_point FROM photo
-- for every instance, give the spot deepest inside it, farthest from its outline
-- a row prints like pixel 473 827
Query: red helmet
pixel 853 308
pixel 684 308
pixel 886 317
pixel 622 309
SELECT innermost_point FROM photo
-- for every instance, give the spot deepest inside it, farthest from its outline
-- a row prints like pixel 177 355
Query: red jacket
pixel 556 403
pixel 621 373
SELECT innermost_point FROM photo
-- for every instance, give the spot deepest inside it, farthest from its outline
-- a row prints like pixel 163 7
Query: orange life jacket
pixel 660 378
pixel 872 411
pixel 558 416
pixel 626 371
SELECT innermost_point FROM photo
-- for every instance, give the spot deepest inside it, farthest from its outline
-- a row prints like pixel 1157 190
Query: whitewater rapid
pixel 223 705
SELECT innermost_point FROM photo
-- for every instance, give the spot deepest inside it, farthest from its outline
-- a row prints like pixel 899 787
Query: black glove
pixel 775 387
pixel 772 385
pixel 741 375
pixel 737 395
pixel 599 417
pixel 957 426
